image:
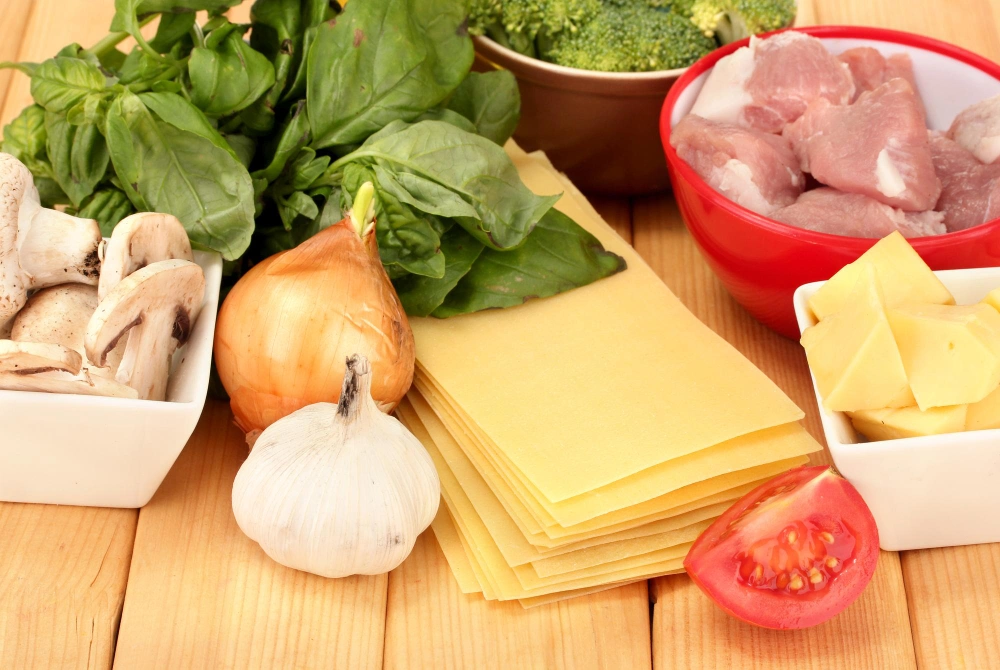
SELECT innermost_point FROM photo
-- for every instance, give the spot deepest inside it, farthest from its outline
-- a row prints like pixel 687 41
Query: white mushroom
pixel 137 241
pixel 28 358
pixel 59 315
pixel 39 247
pixel 57 381
pixel 157 306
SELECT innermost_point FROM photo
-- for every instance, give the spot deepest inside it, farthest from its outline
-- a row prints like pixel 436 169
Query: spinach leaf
pixel 108 205
pixel 296 87
pixel 558 256
pixel 472 167
pixel 422 295
pixel 79 156
pixel 243 147
pixel 294 135
pixel 228 77
pixel 25 138
pixel 491 101
pixel 60 83
pixel 448 116
pixel 383 61
pixel 164 168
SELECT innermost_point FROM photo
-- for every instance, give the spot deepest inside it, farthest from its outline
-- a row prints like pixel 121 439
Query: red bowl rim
pixel 809 236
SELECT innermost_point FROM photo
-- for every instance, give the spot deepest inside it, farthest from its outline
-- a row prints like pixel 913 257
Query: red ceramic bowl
pixel 762 261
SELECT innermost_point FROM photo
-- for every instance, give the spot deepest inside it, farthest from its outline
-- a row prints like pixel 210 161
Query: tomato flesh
pixel 792 553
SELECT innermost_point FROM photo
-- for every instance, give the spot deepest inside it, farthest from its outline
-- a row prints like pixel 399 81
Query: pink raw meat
pixel 977 128
pixel 771 82
pixel 871 69
pixel 877 146
pixel 753 169
pixel 827 210
pixel 970 193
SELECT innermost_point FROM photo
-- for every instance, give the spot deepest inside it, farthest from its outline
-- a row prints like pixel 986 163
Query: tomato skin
pixel 790 554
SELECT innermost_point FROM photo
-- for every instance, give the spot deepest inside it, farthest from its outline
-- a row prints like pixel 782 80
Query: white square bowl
pixel 933 491
pixel 108 452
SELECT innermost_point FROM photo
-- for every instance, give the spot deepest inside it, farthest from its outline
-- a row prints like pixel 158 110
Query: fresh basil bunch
pixel 257 145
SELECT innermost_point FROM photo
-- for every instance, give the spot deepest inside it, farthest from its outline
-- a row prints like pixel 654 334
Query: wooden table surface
pixel 177 585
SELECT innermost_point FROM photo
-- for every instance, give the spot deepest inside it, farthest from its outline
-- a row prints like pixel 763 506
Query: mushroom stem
pixel 56 248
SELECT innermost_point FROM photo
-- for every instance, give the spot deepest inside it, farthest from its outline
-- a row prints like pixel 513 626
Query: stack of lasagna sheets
pixel 585 440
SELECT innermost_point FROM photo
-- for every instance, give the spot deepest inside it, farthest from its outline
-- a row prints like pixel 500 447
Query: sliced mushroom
pixel 28 358
pixel 157 306
pixel 39 247
pixel 59 315
pixel 137 241
pixel 57 381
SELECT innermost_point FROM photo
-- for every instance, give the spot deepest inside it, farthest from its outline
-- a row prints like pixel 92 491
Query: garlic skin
pixel 337 490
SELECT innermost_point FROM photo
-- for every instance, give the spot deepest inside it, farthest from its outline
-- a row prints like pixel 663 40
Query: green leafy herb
pixel 491 101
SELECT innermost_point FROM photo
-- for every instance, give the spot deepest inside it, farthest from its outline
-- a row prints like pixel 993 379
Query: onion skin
pixel 288 325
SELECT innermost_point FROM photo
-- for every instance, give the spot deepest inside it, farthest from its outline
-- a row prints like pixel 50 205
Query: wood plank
pixel 62 569
pixel 62 582
pixel 201 594
pixel 689 632
pixel 954 597
pixel 430 623
pixel 13 25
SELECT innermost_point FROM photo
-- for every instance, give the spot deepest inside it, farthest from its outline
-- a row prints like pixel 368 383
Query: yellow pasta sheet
pixel 661 487
pixel 618 373
pixel 451 547
pixel 459 478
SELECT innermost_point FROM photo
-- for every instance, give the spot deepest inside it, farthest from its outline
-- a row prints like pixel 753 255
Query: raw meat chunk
pixel 877 146
pixel 827 210
pixel 970 193
pixel 871 69
pixel 772 81
pixel 977 128
pixel 754 169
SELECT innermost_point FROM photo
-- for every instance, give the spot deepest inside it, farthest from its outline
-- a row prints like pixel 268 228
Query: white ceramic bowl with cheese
pixel 109 452
pixel 932 491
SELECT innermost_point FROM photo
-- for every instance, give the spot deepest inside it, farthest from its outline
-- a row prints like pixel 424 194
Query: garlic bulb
pixel 337 490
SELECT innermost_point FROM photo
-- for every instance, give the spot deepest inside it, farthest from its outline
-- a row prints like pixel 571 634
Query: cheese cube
pixel 904 277
pixel 893 424
pixel 984 414
pixel 853 355
pixel 951 353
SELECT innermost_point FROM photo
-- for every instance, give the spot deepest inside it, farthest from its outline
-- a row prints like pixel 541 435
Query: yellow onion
pixel 288 326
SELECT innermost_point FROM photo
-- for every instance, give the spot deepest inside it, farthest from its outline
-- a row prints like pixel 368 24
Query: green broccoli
pixel 517 24
pixel 629 36
pixel 732 20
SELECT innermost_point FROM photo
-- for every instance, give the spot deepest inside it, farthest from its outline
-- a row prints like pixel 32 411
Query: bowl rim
pixel 858 244
pixel 490 44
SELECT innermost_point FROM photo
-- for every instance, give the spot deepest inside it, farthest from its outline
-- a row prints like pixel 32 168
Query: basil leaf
pixel 172 29
pixel 108 205
pixel 243 147
pixel 382 61
pixel 422 295
pixel 24 138
pixel 79 156
pixel 92 109
pixel 558 256
pixel 49 193
pixel 59 83
pixel 229 77
pixel 491 101
pixel 139 67
pixel 164 168
pixel 178 112
pixel 295 205
pixel 127 10
pixel 474 168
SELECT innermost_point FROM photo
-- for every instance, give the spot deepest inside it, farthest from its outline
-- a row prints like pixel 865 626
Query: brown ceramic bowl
pixel 600 128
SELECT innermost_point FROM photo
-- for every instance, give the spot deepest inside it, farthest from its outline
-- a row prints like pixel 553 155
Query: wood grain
pixel 62 582
pixel 203 595
pixel 16 14
pixel 430 623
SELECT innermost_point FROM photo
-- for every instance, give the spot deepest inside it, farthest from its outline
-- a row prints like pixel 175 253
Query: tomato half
pixel 791 553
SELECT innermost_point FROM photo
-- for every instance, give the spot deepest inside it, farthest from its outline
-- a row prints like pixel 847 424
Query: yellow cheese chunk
pixel 904 276
pixel 853 355
pixel 985 414
pixel 993 299
pixel 951 353
pixel 893 424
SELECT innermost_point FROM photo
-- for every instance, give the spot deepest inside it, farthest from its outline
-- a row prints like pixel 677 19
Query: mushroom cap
pixel 58 381
pixel 58 315
pixel 137 241
pixel 157 306
pixel 15 180
pixel 28 358
pixel 55 248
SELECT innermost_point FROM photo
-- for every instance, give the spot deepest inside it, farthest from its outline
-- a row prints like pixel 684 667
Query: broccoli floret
pixel 630 36
pixel 518 23
pixel 732 20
